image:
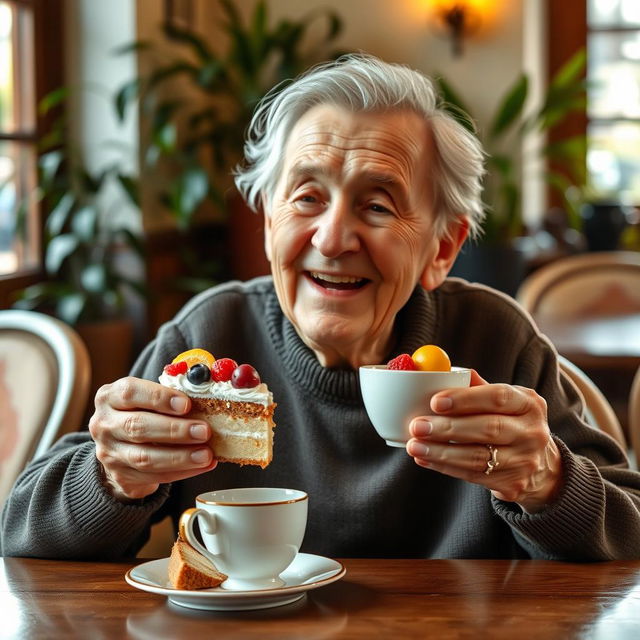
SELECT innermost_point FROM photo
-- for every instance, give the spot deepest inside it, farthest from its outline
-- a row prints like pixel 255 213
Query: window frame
pixel 48 33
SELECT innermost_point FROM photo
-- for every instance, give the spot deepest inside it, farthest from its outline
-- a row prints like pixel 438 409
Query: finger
pixel 486 398
pixel 141 427
pixel 131 484
pixel 476 379
pixel 152 460
pixel 467 462
pixel 135 393
pixel 497 429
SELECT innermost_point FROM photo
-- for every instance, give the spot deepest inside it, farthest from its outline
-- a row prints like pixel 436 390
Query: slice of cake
pixel 232 399
pixel 189 569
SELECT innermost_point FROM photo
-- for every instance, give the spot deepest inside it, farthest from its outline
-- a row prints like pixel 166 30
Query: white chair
pixel 584 285
pixel 634 415
pixel 599 412
pixel 45 374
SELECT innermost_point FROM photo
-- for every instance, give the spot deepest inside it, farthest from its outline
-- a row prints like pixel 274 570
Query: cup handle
pixel 207 522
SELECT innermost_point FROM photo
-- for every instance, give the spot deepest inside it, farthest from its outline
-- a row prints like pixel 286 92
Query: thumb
pixel 476 379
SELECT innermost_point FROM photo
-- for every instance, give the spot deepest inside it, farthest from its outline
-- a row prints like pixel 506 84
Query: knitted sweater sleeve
pixel 59 508
pixel 596 516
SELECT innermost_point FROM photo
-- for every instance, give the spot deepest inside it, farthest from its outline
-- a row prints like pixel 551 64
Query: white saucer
pixel 306 572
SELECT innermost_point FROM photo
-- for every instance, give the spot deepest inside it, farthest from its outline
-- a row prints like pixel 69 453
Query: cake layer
pixel 242 431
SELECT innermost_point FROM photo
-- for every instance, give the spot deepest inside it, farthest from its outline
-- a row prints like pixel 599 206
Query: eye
pixel 307 202
pixel 378 208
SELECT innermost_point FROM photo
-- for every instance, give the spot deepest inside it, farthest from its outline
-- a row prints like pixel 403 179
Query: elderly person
pixel 369 189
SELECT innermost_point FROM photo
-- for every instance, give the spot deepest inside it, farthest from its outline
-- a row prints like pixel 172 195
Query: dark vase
pixel 502 267
pixel 603 224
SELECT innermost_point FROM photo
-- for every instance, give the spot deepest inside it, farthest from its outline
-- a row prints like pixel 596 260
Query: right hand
pixel 141 439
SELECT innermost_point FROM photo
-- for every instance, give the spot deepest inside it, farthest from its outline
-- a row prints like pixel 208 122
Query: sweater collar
pixel 415 326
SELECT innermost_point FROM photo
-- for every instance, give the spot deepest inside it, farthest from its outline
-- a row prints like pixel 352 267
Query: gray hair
pixel 361 82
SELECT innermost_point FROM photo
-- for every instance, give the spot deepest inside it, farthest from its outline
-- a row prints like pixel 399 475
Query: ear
pixel 449 245
pixel 266 215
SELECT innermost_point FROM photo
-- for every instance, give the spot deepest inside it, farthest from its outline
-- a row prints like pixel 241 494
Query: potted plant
pixel 85 284
pixel 194 131
pixel 486 260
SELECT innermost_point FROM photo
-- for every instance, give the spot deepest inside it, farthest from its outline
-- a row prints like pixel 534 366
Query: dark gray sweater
pixel 365 498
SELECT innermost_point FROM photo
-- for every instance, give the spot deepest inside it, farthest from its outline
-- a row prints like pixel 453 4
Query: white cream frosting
pixel 218 390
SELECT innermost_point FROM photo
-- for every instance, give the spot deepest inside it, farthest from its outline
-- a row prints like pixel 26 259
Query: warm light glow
pixel 460 19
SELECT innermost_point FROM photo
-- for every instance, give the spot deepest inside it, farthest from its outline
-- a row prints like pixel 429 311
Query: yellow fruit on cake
pixel 195 356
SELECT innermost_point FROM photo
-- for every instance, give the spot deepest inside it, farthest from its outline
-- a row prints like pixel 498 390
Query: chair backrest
pixel 585 285
pixel 599 412
pixel 634 415
pixel 45 373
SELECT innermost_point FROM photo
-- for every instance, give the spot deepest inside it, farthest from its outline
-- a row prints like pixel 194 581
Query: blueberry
pixel 199 374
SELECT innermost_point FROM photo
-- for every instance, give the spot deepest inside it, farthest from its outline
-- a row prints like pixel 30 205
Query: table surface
pixel 606 341
pixel 390 599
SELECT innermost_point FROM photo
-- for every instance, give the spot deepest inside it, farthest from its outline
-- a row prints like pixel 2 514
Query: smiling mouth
pixel 328 281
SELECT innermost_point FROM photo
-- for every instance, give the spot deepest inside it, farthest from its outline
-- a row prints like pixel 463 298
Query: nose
pixel 336 232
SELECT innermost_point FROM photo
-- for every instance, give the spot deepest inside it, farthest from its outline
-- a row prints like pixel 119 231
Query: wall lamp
pixel 459 19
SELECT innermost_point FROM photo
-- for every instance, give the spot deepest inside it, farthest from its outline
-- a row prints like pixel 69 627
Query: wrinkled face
pixel 349 231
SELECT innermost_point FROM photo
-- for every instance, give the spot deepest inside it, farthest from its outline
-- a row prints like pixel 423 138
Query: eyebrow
pixel 306 169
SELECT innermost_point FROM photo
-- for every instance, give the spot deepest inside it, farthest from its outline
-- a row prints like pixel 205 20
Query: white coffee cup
pixel 251 535
pixel 393 397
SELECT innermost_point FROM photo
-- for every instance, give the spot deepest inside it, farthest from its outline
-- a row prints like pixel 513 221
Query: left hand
pixel 513 420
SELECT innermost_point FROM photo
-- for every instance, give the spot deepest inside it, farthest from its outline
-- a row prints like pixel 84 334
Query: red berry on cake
pixel 245 377
pixel 403 362
pixel 223 369
pixel 176 369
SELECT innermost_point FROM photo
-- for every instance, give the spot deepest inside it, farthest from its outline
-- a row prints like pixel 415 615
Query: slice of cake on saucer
pixel 189 569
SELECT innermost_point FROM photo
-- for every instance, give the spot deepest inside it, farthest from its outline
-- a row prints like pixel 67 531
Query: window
pixel 30 67
pixel 18 228
pixel 613 105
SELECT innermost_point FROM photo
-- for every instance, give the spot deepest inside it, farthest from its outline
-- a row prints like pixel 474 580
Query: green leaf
pixel 60 214
pixel 209 73
pixel 133 241
pixel 69 308
pixel 194 188
pixel 94 278
pixel 53 99
pixel 132 47
pixel 131 187
pixel 165 137
pixel 85 223
pixel 454 104
pixel 189 38
pixel 570 71
pixel 49 163
pixel 127 94
pixel 162 74
pixel 511 107
pixel 58 250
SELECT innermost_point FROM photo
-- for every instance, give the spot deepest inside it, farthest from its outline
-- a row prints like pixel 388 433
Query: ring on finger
pixel 492 462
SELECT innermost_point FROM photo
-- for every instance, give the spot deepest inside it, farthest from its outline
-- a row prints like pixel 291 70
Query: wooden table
pixel 610 342
pixel 388 599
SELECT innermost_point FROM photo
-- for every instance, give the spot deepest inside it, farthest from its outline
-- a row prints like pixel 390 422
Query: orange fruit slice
pixel 429 357
pixel 195 356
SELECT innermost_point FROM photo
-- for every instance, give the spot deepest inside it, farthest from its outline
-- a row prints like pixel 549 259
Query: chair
pixel 634 415
pixel 599 413
pixel 45 374
pixel 584 285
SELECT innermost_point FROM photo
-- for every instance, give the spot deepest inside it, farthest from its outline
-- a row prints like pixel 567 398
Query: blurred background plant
pixel 513 120
pixel 195 104
pixel 84 280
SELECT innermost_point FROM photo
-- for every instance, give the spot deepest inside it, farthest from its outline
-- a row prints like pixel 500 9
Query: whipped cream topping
pixel 218 390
